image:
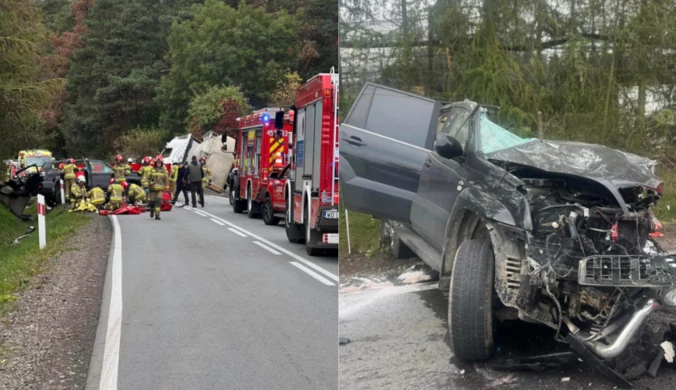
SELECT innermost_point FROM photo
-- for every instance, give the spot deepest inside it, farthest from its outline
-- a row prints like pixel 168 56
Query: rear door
pixel 384 142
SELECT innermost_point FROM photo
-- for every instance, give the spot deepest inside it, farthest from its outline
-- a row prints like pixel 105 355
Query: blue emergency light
pixel 265 117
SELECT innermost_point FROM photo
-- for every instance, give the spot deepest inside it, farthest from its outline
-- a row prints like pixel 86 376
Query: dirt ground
pixel 47 340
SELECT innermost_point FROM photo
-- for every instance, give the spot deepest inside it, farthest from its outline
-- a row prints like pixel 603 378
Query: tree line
pixel 599 71
pixel 91 77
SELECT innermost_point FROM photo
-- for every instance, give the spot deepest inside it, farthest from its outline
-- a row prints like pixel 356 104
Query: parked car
pixel 96 172
pixel 557 233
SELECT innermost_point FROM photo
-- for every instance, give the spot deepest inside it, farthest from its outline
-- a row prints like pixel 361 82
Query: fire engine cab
pixel 312 187
pixel 261 153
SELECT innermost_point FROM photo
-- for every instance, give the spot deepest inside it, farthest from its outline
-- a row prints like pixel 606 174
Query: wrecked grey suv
pixel 556 233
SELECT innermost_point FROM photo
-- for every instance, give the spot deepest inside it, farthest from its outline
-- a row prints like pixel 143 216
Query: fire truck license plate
pixel 331 214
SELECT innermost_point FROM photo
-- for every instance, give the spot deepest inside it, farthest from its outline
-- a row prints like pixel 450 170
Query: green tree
pixel 139 143
pixel 221 45
pixel 113 77
pixel 22 93
pixel 207 109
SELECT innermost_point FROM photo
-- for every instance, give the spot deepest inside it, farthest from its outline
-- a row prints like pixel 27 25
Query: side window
pixel 106 168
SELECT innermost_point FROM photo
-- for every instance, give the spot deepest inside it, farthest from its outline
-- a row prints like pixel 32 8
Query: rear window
pixel 395 114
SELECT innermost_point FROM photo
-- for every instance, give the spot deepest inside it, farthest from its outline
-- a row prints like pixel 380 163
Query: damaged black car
pixel 556 233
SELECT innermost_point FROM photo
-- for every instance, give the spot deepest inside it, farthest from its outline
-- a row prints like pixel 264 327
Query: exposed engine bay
pixel 591 270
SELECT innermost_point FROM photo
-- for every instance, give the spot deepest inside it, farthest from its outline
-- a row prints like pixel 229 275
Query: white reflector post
pixel 63 194
pixel 42 229
pixel 347 226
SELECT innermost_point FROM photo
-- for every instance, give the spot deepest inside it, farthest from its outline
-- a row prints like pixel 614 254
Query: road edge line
pixel 237 232
pixel 279 248
pixel 312 273
pixel 111 353
pixel 274 252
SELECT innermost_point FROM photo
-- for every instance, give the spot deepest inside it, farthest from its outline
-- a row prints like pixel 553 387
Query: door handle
pixel 352 140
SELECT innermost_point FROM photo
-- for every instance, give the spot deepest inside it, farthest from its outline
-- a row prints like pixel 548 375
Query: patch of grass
pixel 19 263
pixel 666 207
pixel 364 233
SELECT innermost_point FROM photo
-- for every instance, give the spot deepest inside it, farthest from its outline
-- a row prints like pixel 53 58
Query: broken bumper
pixel 651 271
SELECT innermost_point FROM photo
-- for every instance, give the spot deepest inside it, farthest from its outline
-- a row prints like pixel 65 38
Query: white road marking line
pixel 217 222
pixel 237 232
pixel 200 213
pixel 111 352
pixel 279 248
pixel 312 273
pixel 274 252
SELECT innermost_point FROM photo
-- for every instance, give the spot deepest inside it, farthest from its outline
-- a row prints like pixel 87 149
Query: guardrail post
pixel 63 194
pixel 42 229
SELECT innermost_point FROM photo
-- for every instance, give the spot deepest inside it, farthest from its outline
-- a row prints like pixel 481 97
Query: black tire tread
pixel 470 316
pixel 272 221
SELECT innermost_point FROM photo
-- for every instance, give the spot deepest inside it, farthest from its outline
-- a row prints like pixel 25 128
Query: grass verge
pixel 364 234
pixel 19 263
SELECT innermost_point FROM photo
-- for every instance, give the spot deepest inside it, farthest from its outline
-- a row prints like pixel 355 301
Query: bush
pixel 143 142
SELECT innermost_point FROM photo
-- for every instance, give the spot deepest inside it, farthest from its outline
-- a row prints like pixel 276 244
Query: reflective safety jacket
pixel 145 172
pixel 207 173
pixel 121 171
pixel 97 196
pixel 116 192
pixel 137 192
pixel 69 171
pixel 159 179
pixel 174 173
pixel 77 191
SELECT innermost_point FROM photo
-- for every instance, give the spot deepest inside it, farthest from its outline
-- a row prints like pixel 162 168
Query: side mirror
pixel 279 120
pixel 447 146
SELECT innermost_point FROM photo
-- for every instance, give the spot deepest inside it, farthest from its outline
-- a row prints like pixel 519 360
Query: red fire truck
pixel 261 153
pixel 312 187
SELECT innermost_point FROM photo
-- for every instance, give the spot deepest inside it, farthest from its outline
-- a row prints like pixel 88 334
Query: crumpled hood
pixel 592 161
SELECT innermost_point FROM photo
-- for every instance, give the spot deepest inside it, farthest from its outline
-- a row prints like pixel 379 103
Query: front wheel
pixel 470 314
pixel 231 197
pixel 253 208
pixel 268 213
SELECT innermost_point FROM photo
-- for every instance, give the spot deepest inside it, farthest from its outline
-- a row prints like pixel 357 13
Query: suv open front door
pixel 384 142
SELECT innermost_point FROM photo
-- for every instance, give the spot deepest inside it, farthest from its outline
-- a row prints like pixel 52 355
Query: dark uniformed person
pixel 195 175
pixel 181 184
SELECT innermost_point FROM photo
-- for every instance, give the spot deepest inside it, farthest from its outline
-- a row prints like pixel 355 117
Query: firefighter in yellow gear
pixel 116 195
pixel 145 171
pixel 173 177
pixel 69 176
pixel 159 182
pixel 206 180
pixel 135 194
pixel 120 170
pixel 78 191
pixel 97 197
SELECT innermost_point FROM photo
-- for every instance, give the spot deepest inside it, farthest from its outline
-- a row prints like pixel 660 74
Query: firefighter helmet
pixel 125 185
pixel 81 179
pixel 112 180
pixel 119 158
pixel 203 160
pixel 130 160
pixel 147 159
pixel 71 160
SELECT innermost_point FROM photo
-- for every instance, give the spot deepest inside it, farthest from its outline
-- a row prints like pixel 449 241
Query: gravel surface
pixel 46 341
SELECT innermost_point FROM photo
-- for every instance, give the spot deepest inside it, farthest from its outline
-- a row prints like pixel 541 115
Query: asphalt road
pixel 213 300
pixel 398 340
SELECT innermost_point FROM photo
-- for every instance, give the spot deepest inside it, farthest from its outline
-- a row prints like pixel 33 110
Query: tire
pixel 237 204
pixel 253 209
pixel 231 197
pixel 470 303
pixel 310 236
pixel 268 213
pixel 293 231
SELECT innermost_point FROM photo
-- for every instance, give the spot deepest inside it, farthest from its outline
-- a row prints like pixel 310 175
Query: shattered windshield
pixel 39 161
pixel 493 137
